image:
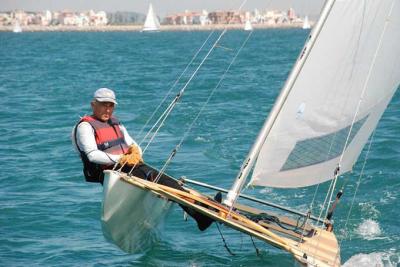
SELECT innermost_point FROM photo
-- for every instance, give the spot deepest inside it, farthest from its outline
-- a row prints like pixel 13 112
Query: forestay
pixel 341 88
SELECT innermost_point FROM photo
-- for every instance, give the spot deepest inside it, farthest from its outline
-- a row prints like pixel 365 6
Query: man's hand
pixel 132 157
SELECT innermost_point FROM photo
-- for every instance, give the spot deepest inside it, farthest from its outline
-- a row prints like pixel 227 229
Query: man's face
pixel 102 110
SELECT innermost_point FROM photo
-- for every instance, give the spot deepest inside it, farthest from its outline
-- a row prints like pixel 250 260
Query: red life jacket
pixel 109 139
pixel 108 135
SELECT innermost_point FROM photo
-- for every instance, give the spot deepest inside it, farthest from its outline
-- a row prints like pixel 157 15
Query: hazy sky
pixel 162 7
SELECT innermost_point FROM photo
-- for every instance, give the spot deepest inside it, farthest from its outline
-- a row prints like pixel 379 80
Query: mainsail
pixel 151 23
pixel 334 97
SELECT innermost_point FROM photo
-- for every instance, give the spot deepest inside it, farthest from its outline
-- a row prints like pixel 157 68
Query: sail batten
pixel 345 84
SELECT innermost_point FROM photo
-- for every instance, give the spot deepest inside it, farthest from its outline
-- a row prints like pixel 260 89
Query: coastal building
pixel 268 17
pixel 225 17
pixel 291 14
pixel 5 19
pixel 101 18
pixel 204 20
pixel 187 18
pixel 42 18
pixel 21 16
pixel 98 19
pixel 90 18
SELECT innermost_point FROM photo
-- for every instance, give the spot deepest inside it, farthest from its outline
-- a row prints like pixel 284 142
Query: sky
pixel 162 7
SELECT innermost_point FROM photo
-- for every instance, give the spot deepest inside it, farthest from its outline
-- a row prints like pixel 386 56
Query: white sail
pixel 151 23
pixel 248 26
pixel 306 23
pixel 343 84
pixel 17 27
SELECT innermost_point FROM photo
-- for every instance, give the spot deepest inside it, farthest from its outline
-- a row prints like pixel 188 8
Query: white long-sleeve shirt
pixel 86 141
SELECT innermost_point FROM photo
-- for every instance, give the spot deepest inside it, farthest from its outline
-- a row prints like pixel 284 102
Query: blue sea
pixel 49 216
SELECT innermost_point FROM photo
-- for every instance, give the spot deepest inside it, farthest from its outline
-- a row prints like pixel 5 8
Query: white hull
pixel 17 28
pixel 248 26
pixel 150 30
pixel 131 216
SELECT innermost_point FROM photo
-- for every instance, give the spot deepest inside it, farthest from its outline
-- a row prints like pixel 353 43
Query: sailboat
pixel 151 23
pixel 247 25
pixel 306 23
pixel 326 112
pixel 17 27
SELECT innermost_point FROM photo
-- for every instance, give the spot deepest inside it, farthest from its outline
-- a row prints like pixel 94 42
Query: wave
pixel 378 259
pixel 369 229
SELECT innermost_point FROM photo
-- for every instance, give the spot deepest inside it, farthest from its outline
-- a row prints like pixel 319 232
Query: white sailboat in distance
pixel 328 108
pixel 247 25
pixel 306 23
pixel 17 27
pixel 151 23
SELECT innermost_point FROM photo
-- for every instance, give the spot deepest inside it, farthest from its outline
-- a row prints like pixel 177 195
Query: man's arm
pixel 128 139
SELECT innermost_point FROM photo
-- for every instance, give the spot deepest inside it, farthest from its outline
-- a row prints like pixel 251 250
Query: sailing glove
pixel 132 157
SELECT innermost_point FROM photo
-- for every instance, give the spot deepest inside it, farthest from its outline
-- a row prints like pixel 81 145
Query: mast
pixel 265 130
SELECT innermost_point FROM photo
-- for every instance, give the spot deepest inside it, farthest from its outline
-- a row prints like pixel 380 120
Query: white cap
pixel 105 95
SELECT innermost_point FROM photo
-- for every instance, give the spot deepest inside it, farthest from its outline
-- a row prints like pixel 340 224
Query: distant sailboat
pixel 17 27
pixel 151 23
pixel 248 26
pixel 306 23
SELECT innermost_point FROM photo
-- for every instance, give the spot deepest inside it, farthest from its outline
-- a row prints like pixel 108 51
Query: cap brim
pixel 106 99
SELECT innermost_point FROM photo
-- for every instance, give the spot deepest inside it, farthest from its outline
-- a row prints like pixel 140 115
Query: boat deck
pixel 308 244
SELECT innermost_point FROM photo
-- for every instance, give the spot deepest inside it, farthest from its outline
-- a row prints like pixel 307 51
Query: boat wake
pixel 381 259
pixel 369 230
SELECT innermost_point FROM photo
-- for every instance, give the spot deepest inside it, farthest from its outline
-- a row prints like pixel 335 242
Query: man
pixel 102 141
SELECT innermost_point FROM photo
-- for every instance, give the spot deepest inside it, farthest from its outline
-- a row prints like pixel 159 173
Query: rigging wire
pixel 355 115
pixel 175 150
pixel 172 105
pixel 355 193
pixel 169 109
pixel 223 240
pixel 325 204
pixel 181 92
pixel 364 89
pixel 333 181
pixel 171 88
pixel 358 183
pixel 254 244
pixel 317 187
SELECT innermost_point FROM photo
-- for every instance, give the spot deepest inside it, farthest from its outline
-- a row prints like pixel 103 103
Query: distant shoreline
pixel 137 28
